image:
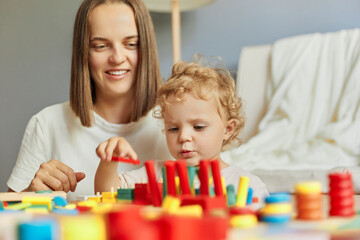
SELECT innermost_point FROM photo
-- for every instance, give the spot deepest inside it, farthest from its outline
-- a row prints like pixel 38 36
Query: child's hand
pixel 117 146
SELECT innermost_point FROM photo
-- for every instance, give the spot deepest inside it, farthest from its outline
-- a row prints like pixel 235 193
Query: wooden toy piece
pixel 171 204
pixel 18 196
pixel 172 227
pixel 38 201
pixel 163 173
pixel 223 184
pixel 309 201
pixel 183 176
pixel 190 211
pixel 83 226
pixel 216 177
pixel 125 160
pixel 204 177
pixel 249 197
pixel 155 191
pixel 38 229
pixel 129 224
pixel 206 202
pixel 277 208
pixel 60 201
pixel 243 221
pixel 125 194
pixel 177 185
pixel 242 191
pixel 192 173
pixel 310 187
pixel 231 196
pixel 19 206
pixel 97 198
pixel 142 194
pixel 341 194
pixel 170 177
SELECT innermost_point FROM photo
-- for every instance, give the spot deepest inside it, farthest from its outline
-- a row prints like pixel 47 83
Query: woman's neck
pixel 114 111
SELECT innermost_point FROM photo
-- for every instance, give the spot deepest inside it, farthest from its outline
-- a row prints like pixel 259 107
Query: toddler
pixel 202 116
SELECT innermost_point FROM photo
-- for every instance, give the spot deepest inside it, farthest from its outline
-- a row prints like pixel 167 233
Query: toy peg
pixel 125 160
pixel 183 175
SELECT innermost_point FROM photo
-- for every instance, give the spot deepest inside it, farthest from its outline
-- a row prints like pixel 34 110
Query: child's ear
pixel 230 128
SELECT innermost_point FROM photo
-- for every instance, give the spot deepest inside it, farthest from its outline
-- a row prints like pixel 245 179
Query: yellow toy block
pixel 103 208
pixel 38 201
pixel 95 198
pixel 166 202
pixel 108 194
pixel 171 204
pixel 308 187
pixel 190 211
pixel 70 206
pixel 177 185
pixel 243 221
pixel 88 203
pixel 223 184
pixel 37 210
pixel 242 191
pixel 276 208
pixel 89 227
pixel 19 206
pixel 109 200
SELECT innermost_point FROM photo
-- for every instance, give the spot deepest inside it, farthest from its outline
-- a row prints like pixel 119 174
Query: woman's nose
pixel 118 56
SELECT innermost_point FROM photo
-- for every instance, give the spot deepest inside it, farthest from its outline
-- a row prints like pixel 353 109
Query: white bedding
pixel 313 115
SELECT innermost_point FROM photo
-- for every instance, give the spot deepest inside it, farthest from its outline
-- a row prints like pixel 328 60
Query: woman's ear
pixel 230 128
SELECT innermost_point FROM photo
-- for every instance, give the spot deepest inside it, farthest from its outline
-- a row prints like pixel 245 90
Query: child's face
pixel 194 129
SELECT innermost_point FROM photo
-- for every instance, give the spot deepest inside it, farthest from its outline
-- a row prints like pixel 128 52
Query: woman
pixel 114 81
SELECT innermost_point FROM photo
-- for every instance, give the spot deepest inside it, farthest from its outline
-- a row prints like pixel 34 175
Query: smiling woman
pixel 114 81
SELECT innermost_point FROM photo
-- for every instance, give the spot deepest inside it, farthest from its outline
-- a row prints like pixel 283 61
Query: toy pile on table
pixel 170 210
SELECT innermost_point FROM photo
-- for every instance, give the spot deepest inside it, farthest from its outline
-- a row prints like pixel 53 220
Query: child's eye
pixel 174 129
pixel 199 127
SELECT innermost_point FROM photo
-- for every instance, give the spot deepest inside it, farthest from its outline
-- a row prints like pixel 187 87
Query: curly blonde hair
pixel 203 82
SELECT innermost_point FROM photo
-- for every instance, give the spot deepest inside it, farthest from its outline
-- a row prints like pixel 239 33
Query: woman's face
pixel 113 50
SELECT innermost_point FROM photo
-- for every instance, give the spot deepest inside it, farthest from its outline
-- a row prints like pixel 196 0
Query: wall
pixel 35 47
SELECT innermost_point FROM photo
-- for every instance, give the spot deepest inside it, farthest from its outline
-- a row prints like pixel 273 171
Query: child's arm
pixel 106 175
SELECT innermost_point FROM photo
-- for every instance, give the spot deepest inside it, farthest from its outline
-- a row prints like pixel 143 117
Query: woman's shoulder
pixel 54 114
pixel 55 109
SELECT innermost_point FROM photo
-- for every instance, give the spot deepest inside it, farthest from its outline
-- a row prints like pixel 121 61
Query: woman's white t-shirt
pixel 56 133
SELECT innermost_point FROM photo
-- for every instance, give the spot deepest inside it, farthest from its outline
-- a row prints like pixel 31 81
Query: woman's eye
pixel 133 45
pixel 99 47
pixel 199 127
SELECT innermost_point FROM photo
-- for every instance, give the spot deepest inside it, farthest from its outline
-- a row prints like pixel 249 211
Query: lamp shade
pixel 165 5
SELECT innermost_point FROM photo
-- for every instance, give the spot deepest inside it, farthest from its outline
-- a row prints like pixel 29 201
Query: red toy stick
pixel 216 177
pixel 125 160
pixel 184 177
pixel 155 191
pixel 204 177
pixel 170 177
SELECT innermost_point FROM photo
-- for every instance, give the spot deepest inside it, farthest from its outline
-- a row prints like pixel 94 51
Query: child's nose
pixel 184 136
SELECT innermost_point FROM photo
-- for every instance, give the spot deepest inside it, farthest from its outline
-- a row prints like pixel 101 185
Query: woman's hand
pixel 117 146
pixel 56 176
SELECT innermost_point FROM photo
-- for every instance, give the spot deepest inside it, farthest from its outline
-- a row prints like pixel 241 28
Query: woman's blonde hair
pixel 82 87
pixel 203 82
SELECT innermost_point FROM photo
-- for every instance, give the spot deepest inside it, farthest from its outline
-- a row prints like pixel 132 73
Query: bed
pixel 301 100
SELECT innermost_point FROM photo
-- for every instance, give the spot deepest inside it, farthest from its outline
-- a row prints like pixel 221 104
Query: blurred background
pixel 36 36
